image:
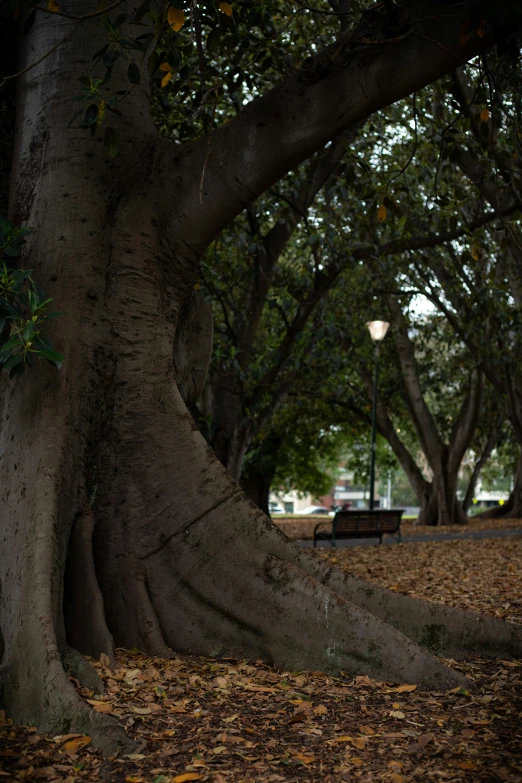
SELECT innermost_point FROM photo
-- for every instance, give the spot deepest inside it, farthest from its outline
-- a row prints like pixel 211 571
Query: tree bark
pixel 491 442
pixel 442 507
pixel 120 524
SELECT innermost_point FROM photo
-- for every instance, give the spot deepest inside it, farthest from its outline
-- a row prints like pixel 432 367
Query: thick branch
pixel 344 84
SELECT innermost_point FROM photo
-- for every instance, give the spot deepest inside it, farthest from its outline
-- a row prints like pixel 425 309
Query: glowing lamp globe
pixel 378 330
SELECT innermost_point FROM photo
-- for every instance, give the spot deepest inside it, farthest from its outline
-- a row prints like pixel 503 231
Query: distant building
pixel 344 491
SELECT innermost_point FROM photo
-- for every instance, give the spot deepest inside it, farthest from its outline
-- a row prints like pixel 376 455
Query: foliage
pixel 23 309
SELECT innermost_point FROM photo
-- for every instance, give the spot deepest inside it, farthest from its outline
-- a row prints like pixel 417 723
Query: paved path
pixel 509 533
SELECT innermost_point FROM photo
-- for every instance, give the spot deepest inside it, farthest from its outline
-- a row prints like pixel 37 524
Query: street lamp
pixel 378 331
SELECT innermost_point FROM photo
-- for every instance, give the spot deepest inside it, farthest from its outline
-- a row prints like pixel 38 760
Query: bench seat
pixel 360 524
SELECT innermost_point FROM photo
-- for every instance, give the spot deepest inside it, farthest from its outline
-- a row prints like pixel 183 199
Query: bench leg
pixel 380 540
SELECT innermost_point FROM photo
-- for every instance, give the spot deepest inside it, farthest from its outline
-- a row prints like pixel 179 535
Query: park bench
pixel 360 524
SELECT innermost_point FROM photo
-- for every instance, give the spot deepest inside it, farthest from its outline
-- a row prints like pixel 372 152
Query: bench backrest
pixel 387 520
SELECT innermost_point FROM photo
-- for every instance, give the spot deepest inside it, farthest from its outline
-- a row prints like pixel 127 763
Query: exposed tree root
pixel 82 594
pixel 236 592
pixel 78 667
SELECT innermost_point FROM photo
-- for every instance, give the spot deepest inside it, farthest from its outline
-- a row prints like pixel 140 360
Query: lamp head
pixel 378 330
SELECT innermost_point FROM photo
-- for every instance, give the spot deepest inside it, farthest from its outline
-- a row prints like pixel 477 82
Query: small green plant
pixel 23 308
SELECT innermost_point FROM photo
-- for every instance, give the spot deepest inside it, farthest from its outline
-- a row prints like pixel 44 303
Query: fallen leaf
pixel 397 714
pixel 304 759
pixel 185 777
pixel 75 744
pixel 363 679
pixel 366 730
pixel 404 688
pixel 467 765
pixel 320 709
pixel 359 742
pixel 396 777
pixel 100 706
pixel 468 733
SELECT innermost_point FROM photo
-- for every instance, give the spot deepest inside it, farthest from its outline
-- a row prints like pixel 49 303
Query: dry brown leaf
pixel 363 679
pixel 404 688
pixel 359 742
pixel 187 776
pixel 398 714
pixel 226 8
pixel 304 759
pixel 366 730
pixel 396 777
pixel 467 765
pixel 320 709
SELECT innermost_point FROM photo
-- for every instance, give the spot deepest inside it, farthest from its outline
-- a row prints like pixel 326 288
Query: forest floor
pixel 196 719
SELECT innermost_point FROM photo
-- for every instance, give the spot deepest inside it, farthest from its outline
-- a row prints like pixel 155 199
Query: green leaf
pixel 28 331
pixel 52 356
pixel 9 345
pixel 133 73
pixel 111 142
pixel 85 80
pixel 91 116
pixel 141 11
pixel 100 52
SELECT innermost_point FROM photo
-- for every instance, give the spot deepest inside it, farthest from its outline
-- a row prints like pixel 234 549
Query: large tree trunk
pixel 120 526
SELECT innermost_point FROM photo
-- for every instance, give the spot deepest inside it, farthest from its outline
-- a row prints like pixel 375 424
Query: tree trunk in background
pixel 120 526
pixel 491 442
pixel 256 487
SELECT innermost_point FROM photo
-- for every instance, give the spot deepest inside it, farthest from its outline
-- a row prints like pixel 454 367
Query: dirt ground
pixel 196 719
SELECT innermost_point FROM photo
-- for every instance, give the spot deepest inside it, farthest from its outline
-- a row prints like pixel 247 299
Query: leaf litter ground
pixel 198 719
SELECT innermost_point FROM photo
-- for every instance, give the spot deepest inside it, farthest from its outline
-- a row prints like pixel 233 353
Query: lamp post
pixel 378 331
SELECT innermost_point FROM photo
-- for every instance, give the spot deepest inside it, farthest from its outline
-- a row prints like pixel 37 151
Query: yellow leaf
pixel 481 29
pixel 166 79
pixel 381 213
pixel 475 252
pixel 134 779
pixel 53 6
pixel 320 709
pixel 75 744
pixel 226 8
pixel 196 288
pixel 165 67
pixel 404 688
pixel 359 742
pixel 186 776
pixel 176 17
pixel 344 738
pixel 397 714
pixel 484 115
